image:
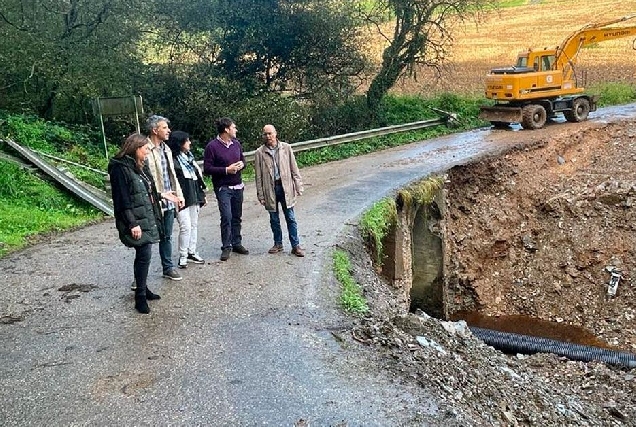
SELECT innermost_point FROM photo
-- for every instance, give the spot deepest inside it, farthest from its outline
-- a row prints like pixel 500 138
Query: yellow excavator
pixel 543 82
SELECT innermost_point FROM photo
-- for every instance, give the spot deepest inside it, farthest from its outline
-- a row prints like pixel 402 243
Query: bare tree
pixel 421 37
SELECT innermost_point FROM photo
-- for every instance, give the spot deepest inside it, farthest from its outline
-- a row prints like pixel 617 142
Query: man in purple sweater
pixel 223 160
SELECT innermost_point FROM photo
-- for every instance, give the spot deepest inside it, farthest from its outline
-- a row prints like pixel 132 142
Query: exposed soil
pixel 537 231
pixel 533 232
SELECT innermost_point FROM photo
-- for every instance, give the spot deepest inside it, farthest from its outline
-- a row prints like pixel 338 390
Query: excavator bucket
pixel 500 114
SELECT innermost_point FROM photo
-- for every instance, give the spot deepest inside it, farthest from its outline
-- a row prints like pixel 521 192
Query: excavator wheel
pixel 579 112
pixel 534 116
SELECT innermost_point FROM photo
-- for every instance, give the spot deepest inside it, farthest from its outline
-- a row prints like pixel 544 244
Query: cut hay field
pixel 497 40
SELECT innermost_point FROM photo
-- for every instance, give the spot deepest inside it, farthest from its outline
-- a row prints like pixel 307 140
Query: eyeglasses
pixel 267 133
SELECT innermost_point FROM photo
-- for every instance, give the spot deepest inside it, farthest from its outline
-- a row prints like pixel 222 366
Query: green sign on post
pixel 118 106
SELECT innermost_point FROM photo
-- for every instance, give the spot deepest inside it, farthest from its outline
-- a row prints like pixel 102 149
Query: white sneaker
pixel 196 258
pixel 183 262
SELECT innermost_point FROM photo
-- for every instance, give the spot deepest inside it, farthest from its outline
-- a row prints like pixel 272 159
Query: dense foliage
pixel 256 61
pixel 299 64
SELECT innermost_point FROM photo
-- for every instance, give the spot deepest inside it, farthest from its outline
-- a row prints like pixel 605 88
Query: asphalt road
pixel 239 343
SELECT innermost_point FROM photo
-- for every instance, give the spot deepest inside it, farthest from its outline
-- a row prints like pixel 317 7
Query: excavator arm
pixel 568 51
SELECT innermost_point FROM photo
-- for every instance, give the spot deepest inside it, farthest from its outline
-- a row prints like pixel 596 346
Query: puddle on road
pixel 527 325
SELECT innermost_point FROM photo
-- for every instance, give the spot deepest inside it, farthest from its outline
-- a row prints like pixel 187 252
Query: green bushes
pixel 38 134
pixel 614 93
pixel 331 119
pixel 406 109
pixel 291 119
pixel 79 144
pixel 12 179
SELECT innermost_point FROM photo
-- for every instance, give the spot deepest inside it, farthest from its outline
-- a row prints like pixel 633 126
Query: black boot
pixel 140 301
pixel 151 296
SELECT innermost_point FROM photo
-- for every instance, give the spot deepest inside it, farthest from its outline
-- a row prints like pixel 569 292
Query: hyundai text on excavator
pixel 544 83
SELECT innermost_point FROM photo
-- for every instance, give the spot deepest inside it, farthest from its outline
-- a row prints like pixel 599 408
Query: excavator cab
pixel 540 61
pixel 522 61
pixel 537 60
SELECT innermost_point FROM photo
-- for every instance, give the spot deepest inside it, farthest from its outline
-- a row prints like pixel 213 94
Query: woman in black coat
pixel 193 188
pixel 137 209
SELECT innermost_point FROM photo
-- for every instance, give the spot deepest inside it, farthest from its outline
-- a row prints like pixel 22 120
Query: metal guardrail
pixel 356 136
pixel 97 200
pixel 103 203
pixel 79 165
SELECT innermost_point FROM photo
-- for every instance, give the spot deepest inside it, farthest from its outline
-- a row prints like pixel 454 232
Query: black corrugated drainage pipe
pixel 509 342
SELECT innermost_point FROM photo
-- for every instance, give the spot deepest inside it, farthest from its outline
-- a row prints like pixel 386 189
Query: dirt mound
pixel 538 232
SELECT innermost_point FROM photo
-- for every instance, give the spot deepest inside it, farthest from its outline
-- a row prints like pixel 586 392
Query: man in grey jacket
pixel 278 181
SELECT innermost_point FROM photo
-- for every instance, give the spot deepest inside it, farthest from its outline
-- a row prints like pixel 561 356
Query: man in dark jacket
pixel 223 160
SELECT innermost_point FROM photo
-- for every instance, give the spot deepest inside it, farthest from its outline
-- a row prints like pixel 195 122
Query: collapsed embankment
pixel 536 233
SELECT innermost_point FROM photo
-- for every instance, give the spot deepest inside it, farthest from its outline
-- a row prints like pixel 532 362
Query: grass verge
pixel 351 297
pixel 30 206
pixel 614 93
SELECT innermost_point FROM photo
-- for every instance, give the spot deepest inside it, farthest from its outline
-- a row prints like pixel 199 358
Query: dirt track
pixel 259 340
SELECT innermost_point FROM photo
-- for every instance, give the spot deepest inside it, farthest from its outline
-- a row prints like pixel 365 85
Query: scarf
pixel 186 160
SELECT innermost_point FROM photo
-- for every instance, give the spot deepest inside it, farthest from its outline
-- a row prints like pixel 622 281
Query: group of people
pixel 155 179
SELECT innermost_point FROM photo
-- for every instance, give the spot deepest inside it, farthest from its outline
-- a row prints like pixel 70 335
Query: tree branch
pixel 5 19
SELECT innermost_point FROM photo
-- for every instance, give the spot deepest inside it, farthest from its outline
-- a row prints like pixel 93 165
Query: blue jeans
pixel 290 219
pixel 165 244
pixel 143 254
pixel 231 210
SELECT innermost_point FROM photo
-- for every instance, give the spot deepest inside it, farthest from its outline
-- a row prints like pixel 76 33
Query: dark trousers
pixel 231 210
pixel 143 254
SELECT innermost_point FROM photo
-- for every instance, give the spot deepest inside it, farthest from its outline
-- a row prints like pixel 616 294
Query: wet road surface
pixel 244 342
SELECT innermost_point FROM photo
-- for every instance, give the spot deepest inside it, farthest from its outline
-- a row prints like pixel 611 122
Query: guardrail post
pixel 106 181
